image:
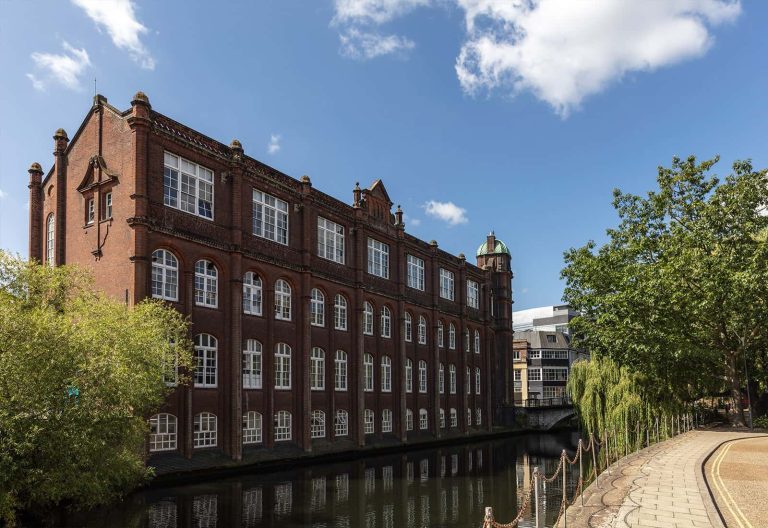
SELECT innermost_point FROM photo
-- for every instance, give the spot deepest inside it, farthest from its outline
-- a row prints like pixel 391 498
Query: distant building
pixel 541 364
pixel 545 318
pixel 520 349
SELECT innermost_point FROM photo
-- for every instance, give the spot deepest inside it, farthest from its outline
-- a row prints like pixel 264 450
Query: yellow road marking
pixel 723 490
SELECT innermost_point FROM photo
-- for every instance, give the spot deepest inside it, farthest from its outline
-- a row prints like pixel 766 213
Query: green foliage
pixel 761 422
pixel 678 296
pixel 79 374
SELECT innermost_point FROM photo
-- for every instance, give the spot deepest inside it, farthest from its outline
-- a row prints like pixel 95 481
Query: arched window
pixel 386 421
pixel 367 372
pixel 340 312
pixel 317 424
pixel 440 342
pixel 368 422
pixel 317 369
pixel 50 240
pixel 466 340
pixel 477 380
pixel 368 318
pixel 205 430
pixel 441 379
pixel 422 330
pixel 423 419
pixel 251 294
pixel 252 364
pixel 408 330
pixel 454 418
pixel 317 308
pixel 251 428
pixel 468 380
pixel 452 378
pixel 386 322
pixel 478 416
pixel 282 300
pixel 408 420
pixel 408 375
pixel 341 423
pixel 282 366
pixel 206 284
pixel 205 360
pixel 422 376
pixel 340 370
pixel 386 374
pixel 165 275
pixel 477 342
pixel 442 418
pixel 162 432
pixel 283 426
pixel 451 337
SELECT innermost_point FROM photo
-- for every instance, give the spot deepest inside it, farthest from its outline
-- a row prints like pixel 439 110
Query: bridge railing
pixel 545 402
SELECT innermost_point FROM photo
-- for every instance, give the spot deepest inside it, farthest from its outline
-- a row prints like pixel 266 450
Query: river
pixel 447 486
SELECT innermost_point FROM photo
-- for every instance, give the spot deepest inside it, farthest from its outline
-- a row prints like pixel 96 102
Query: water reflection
pixel 445 487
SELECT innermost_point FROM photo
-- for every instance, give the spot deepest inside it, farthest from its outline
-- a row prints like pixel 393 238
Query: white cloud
pixel 563 51
pixel 64 68
pixel 374 11
pixel 446 211
pixel 415 222
pixel 274 144
pixel 3 194
pixel 119 19
pixel 356 44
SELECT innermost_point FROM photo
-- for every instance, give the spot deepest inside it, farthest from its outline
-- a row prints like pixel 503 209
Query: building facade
pixel 547 318
pixel 317 324
pixel 547 365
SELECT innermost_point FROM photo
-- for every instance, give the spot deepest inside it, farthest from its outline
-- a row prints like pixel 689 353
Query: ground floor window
pixel 282 426
pixel 409 420
pixel 205 430
pixel 386 421
pixel 251 428
pixel 162 432
pixel 317 424
pixel 553 392
pixel 368 421
pixel 342 423
pixel 423 419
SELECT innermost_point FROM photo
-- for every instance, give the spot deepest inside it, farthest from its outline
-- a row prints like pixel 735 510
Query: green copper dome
pixel 499 247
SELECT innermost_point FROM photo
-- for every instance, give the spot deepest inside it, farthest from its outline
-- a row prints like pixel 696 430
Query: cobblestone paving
pixel 661 487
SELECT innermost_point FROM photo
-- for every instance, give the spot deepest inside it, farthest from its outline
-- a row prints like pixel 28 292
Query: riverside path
pixel 668 486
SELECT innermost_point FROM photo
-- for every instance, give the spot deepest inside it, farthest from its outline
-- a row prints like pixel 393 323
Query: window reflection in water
pixel 252 507
pixel 283 499
pixel 205 511
pixel 162 514
pixel 317 502
pixel 342 487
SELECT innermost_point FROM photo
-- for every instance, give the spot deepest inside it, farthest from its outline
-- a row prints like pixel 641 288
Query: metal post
pixel 581 472
pixel 594 464
pixel 565 496
pixel 536 495
pixel 647 436
pixel 488 521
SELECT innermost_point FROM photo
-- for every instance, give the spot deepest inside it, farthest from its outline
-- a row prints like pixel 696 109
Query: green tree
pixel 679 293
pixel 79 375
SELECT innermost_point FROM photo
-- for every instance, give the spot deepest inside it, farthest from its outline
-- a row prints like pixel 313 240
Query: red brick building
pixel 316 323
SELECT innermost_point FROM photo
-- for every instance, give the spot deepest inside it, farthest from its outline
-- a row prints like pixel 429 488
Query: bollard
pixel 536 495
pixel 488 521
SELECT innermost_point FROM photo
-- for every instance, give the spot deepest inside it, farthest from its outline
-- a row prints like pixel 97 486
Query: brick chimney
pixel 35 212
pixel 61 141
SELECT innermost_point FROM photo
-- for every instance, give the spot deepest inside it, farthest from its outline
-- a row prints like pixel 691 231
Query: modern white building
pixel 545 318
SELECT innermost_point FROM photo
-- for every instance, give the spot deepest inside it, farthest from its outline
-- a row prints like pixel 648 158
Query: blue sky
pixel 476 114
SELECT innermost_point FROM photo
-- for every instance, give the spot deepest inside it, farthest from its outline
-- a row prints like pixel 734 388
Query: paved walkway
pixel 661 486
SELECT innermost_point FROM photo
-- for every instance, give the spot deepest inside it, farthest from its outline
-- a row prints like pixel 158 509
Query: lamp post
pixel 749 398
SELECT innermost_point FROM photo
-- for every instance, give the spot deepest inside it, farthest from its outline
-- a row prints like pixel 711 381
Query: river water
pixel 447 486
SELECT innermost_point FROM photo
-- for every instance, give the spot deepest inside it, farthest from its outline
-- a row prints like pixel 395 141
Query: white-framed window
pixel 340 312
pixel 386 374
pixel 534 374
pixel 423 419
pixel 368 422
pixel 408 375
pixel 251 293
pixel 422 376
pixel 440 334
pixel 187 186
pixel 447 284
pixel 415 272
pixel 441 378
pixel 50 240
pixel 386 322
pixel 386 421
pixel 206 284
pixel 478 416
pixel 555 374
pixel 473 294
pixel 378 258
pixel 270 217
pixel 252 428
pixel 454 417
pixel 205 360
pixel 452 378
pixel 408 420
pixel 317 369
pixel 341 423
pixel 553 392
pixel 317 308
pixel 282 366
pixel 466 340
pixel 477 342
pixel 282 300
pixel 330 240
pixel 162 432
pixel 468 380
pixel 317 424
pixel 451 336
pixel 367 372
pixel 469 416
pixel 252 364
pixel 106 212
pixel 554 354
pixel 408 327
pixel 422 330
pixel 518 380
pixel 90 214
pixel 367 318
pixel 205 430
pixel 340 370
pixel 165 275
pixel 283 427
pixel 477 380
